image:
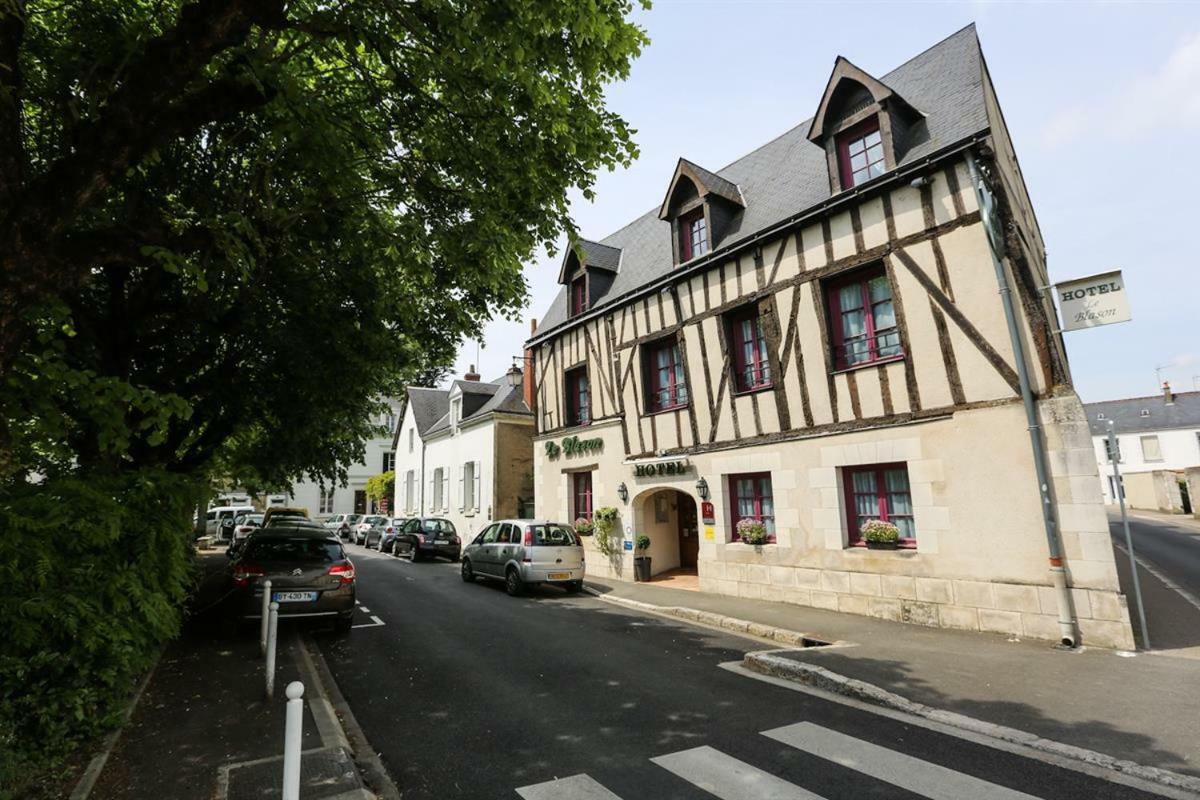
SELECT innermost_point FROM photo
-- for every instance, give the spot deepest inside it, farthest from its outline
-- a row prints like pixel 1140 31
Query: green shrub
pixel 95 571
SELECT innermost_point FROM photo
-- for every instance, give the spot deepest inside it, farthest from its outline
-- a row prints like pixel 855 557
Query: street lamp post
pixel 1115 454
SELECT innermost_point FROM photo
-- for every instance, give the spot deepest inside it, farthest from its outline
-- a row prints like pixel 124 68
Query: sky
pixel 1102 101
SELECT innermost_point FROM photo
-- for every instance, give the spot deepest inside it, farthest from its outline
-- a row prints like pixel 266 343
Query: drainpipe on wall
pixel 1066 615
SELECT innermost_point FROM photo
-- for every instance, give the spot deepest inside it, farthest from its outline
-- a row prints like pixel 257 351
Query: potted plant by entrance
pixel 641 563
pixel 752 531
pixel 880 535
pixel 584 526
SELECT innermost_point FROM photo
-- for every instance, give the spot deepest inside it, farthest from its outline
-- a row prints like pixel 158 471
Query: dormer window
pixel 860 153
pixel 693 235
pixel 863 125
pixel 701 207
pixel 579 299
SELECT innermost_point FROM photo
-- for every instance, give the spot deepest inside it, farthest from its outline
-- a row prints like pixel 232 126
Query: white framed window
pixel 389 461
pixel 326 502
pixel 410 491
pixel 389 422
pixel 468 487
pixel 437 493
pixel 411 437
pixel 445 504
pixel 1151 449
pixel 455 412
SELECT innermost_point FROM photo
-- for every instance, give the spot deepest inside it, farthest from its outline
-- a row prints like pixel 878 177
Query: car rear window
pixel 438 526
pixel 298 549
pixel 553 536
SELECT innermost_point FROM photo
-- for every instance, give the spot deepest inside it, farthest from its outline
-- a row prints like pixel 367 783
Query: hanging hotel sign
pixel 1093 301
pixel 574 446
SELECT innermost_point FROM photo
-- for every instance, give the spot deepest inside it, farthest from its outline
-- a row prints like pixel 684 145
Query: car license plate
pixel 441 541
pixel 293 597
pixel 559 576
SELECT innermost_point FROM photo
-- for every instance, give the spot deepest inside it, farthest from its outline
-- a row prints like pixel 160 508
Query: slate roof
pixel 790 174
pixel 500 397
pixel 428 405
pixel 599 255
pixel 1127 414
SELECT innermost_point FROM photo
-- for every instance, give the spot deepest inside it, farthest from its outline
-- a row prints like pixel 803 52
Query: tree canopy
pixel 227 226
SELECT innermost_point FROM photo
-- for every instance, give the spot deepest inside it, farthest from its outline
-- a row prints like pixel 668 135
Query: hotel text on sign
pixel 1094 301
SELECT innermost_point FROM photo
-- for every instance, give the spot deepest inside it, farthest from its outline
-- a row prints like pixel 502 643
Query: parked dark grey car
pixel 309 572
pixel 428 536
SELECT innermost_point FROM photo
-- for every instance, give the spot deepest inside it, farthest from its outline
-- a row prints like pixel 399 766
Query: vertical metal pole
pixel 1066 617
pixel 291 740
pixel 1115 453
pixel 266 602
pixel 272 642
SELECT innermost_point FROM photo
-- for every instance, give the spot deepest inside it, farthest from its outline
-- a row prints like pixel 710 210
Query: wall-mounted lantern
pixel 702 488
pixel 623 492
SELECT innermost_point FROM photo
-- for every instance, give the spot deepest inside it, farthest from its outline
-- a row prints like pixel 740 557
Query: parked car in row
pixel 344 525
pixel 245 524
pixel 218 521
pixel 309 572
pixel 387 534
pixel 427 536
pixel 524 553
pixel 364 526
pixel 280 511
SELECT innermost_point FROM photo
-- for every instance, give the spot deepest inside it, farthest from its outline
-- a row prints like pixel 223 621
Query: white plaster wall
pixel 450 451
pixel 1180 450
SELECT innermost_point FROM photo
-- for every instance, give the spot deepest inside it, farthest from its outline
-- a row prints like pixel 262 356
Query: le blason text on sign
pixel 1093 301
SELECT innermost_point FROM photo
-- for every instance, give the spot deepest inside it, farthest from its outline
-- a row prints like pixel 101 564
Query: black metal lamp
pixel 623 492
pixel 702 488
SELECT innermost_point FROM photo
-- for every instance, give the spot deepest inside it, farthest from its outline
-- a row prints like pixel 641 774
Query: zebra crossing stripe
pixel 576 787
pixel 728 778
pixel 920 777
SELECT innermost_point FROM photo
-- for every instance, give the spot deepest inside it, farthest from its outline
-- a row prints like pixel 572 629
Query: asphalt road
pixel 466 692
pixel 1170 556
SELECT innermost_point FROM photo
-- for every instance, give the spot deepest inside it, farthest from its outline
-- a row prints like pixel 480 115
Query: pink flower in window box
pixel 751 531
pixel 880 535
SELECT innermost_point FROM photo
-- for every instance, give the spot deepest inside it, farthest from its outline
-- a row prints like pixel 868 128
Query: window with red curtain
pixel 693 235
pixel 863 319
pixel 662 365
pixel 879 491
pixel 582 490
pixel 579 410
pixel 752 368
pixel 860 153
pixel 579 295
pixel 750 498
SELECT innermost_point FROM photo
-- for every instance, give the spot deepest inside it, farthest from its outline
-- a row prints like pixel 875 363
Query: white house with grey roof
pixel 1158 440
pixel 465 453
pixel 813 338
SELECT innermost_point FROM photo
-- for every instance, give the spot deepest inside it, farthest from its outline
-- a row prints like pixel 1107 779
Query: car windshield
pixel 553 536
pixel 353 517
pixel 306 548
pixel 375 520
pixel 398 521
pixel 252 519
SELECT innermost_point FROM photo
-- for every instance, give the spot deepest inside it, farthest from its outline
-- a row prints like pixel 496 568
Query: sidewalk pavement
pixel 203 729
pixel 1136 707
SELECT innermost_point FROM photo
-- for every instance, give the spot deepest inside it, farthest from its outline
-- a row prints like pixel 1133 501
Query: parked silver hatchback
pixel 525 552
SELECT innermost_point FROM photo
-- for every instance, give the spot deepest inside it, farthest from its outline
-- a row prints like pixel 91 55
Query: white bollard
pixel 272 642
pixel 291 740
pixel 266 611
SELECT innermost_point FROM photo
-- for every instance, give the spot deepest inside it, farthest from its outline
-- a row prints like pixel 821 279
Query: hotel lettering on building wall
pixel 813 337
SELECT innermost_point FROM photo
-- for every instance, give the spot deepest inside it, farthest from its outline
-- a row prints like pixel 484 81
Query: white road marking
pixel 1170 584
pixel 921 777
pixel 728 778
pixel 576 787
pixel 375 623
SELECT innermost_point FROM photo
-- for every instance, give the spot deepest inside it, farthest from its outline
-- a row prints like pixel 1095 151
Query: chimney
pixel 1168 396
pixel 527 380
pixel 471 375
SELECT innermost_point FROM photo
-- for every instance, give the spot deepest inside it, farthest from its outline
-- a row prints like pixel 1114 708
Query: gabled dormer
pixel 701 206
pixel 587 271
pixel 864 126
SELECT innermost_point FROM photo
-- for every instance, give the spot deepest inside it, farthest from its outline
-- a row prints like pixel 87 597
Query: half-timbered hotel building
pixel 812 337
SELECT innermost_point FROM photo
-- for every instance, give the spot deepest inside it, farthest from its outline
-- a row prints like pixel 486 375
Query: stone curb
pixel 91 774
pixel 370 766
pixel 767 663
pixel 711 619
